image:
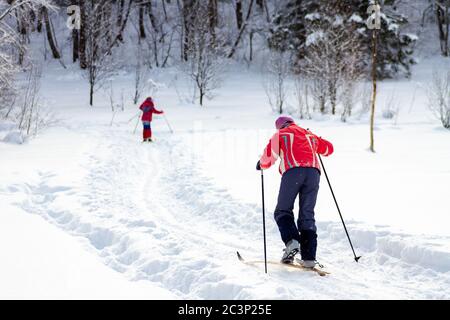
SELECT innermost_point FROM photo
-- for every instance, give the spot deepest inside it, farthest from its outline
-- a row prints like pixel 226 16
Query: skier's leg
pixel 144 133
pixel 284 216
pixel 306 222
pixel 147 131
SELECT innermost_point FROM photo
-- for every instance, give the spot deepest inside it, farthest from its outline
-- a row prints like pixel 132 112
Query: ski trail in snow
pixel 149 212
pixel 388 263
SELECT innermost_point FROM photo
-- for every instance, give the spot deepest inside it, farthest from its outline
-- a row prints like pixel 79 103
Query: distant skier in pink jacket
pixel 148 109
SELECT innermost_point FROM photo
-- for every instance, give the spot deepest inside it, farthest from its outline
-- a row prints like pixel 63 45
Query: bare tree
pixel 439 97
pixel 29 108
pixel 115 107
pixel 364 97
pixel 205 66
pixel 277 72
pixel 302 95
pixel 100 37
pixel 374 86
pixel 351 75
pixel 93 14
pixel 50 34
pixel 443 22
pixel 242 29
pixel 391 107
pixel 31 116
pixel 160 39
pixel 140 77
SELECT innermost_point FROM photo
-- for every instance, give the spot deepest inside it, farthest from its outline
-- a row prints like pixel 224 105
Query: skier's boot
pixel 308 263
pixel 292 248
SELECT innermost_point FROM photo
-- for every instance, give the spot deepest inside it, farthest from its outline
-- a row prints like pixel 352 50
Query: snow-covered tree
pixel 12 13
pixel 333 61
pixel 291 30
pixel 439 96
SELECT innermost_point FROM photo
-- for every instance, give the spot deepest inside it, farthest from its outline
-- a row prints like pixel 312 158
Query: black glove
pixel 258 166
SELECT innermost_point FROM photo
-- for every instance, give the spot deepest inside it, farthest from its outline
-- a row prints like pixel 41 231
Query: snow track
pixel 149 212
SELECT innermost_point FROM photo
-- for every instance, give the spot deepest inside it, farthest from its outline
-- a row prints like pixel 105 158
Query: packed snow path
pixel 150 212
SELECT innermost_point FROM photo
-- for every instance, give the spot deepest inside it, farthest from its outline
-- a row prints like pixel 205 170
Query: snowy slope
pixel 41 262
pixel 172 214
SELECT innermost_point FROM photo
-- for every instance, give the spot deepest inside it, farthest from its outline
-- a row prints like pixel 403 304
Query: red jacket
pixel 148 109
pixel 296 147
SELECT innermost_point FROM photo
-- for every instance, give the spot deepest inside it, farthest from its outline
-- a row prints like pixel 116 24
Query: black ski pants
pixel 302 182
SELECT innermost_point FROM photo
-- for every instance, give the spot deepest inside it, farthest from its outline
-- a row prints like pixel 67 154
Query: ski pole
pixel 137 122
pixel 170 128
pixel 137 114
pixel 264 220
pixel 337 206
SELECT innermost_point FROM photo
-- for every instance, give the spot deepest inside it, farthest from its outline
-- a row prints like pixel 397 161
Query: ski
pixel 295 265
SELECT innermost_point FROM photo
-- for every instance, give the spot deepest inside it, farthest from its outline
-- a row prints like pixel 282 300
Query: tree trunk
pixel 39 20
pixel 75 45
pixel 91 94
pixel 322 104
pixel 120 16
pixel 188 6
pixel 119 36
pixel 447 22
pixel 141 22
pixel 213 16
pixel 152 16
pixel 202 94
pixel 251 45
pixel 120 12
pixel 164 9
pixel 442 16
pixel 33 19
pixel 82 34
pixel 333 94
pixel 75 39
pixel 374 87
pixel 239 16
pixel 241 32
pixel 260 4
pixel 50 38
pixel 107 21
pixel 266 9
pixel 22 31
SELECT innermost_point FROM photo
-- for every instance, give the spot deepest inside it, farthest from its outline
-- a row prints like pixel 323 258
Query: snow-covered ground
pixel 88 211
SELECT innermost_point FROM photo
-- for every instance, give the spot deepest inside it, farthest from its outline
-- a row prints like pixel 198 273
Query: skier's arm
pixel 157 111
pixel 271 152
pixel 324 147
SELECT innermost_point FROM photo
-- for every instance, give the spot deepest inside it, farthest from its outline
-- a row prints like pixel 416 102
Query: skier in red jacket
pixel 148 109
pixel 297 149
